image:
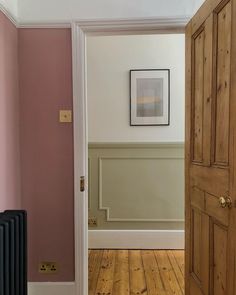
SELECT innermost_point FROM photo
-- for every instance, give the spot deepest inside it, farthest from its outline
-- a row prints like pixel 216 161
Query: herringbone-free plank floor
pixel 136 272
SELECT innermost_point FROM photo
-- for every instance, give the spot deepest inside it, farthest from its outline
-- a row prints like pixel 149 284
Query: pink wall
pixel 9 117
pixel 47 149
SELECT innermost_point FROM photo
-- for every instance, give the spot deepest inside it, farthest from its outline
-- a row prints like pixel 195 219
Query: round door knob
pixel 225 202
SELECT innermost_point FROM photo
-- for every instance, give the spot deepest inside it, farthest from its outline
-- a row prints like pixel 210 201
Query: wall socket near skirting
pixel 92 222
pixel 47 267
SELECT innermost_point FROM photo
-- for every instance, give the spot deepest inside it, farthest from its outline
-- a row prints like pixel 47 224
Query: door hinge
pixel 82 183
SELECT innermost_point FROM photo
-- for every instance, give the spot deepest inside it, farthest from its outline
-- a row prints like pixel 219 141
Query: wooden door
pixel 211 150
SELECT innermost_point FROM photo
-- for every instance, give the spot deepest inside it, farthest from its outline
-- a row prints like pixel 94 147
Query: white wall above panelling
pixel 67 10
pixel 110 58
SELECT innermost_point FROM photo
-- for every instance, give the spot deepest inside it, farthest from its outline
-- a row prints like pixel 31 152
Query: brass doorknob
pixel 225 202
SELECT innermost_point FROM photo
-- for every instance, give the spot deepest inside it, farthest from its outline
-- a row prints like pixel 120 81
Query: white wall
pixel 196 5
pixel 11 6
pixel 109 60
pixel 67 10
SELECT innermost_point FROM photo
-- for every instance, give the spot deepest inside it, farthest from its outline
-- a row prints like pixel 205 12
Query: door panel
pixel 198 96
pixel 220 259
pixel 201 84
pixel 222 88
pixel 210 149
pixel 205 259
pixel 196 243
pixel 200 246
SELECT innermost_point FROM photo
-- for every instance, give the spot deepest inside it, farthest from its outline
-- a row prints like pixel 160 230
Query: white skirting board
pixel 51 288
pixel 136 239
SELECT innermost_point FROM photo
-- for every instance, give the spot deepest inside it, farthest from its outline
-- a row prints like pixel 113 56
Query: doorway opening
pixel 115 225
pixel 136 171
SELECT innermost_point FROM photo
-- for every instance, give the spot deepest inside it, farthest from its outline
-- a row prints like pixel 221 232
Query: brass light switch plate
pixel 48 267
pixel 65 116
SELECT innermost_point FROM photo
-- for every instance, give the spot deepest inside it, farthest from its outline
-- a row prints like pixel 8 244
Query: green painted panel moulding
pixel 137 185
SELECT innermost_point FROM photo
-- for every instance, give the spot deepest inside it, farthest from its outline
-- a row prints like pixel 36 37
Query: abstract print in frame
pixel 150 97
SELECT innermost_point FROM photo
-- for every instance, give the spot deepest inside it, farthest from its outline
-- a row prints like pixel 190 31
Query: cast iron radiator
pixel 13 252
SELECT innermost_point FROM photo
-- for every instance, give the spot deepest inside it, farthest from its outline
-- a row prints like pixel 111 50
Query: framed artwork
pixel 150 97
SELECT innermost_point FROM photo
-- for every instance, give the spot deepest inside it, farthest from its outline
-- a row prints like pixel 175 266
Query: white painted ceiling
pixel 11 6
pixel 27 11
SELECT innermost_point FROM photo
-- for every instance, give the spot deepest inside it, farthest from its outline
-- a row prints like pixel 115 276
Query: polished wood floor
pixel 136 272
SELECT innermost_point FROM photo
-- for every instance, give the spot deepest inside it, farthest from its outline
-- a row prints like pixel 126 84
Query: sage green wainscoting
pixel 136 186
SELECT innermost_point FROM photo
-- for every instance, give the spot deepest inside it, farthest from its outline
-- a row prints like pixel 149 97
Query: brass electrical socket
pixel 47 267
pixel 92 221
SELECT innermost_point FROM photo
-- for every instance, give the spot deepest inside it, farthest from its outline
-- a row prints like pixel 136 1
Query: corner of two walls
pixel 10 196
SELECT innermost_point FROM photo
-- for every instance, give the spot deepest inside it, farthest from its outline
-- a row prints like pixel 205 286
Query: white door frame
pixel 80 30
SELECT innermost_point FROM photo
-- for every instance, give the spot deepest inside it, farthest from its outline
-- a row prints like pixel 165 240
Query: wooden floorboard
pixel 106 274
pixel 171 285
pixel 121 283
pixel 136 272
pixel 152 274
pixel 137 276
pixel 95 259
pixel 177 270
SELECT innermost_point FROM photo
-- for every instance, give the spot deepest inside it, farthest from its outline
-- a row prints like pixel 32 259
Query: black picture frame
pixel 167 98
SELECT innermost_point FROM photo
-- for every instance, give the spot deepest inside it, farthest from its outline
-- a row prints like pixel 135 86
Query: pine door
pixel 211 150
